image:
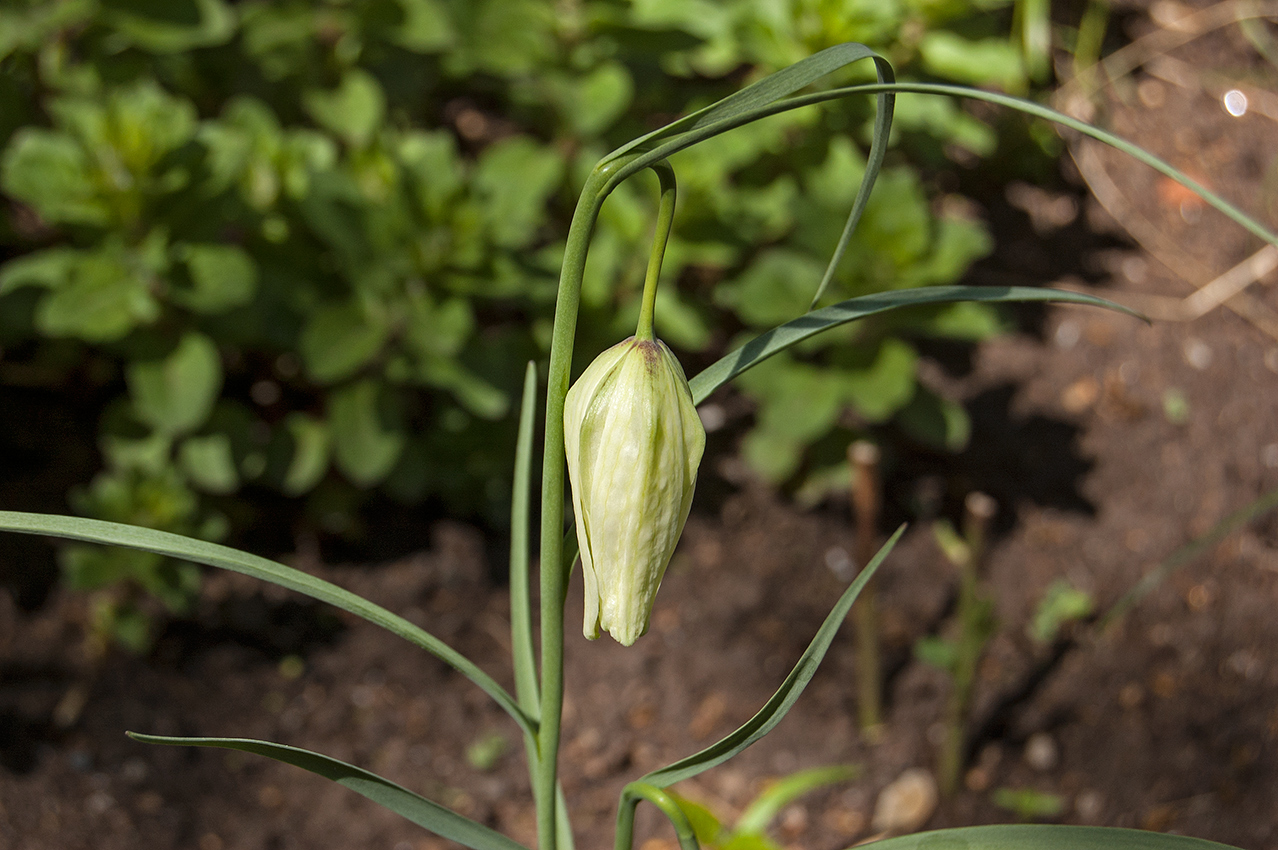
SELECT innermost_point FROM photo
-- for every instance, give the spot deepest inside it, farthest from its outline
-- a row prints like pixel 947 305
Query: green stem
pixel 665 219
pixel 973 620
pixel 630 797
pixel 553 569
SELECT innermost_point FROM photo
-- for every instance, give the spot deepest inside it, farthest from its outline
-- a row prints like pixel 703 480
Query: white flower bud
pixel 633 441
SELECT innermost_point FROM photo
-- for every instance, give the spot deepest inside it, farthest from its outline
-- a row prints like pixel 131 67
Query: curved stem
pixel 630 797
pixel 554 572
pixel 665 219
pixel 554 566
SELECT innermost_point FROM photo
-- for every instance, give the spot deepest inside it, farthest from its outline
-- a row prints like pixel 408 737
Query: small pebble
pixel 1089 806
pixel 906 804
pixel 1041 752
pixel 1197 354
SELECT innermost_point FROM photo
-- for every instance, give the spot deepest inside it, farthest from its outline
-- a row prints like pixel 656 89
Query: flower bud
pixel 633 441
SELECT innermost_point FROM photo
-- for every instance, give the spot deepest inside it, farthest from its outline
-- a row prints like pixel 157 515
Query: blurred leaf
pixel 883 385
pixel 310 453
pixel 775 288
pixel 951 543
pixel 506 38
pixel 367 432
pixel 171 26
pixel 437 171
pixel 338 340
pixel 426 27
pixel 946 121
pixel 1061 604
pixel 222 277
pixel 595 101
pixel 486 751
pixel 935 421
pixel 49 171
pixel 1029 804
pixel 29 28
pixel 705 825
pixel 105 298
pixel 774 457
pixel 764 808
pixel 515 177
pixel 175 394
pixel 50 268
pixel 991 61
pixel 936 651
pixel 475 394
pixel 437 330
pixel 354 110
pixel 209 463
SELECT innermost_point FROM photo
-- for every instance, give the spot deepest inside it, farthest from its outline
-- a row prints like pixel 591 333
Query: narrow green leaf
pixel 1036 110
pixel 760 99
pixel 1044 837
pixel 782 337
pixel 521 636
pixel 226 558
pixel 780 794
pixel 421 811
pixel 766 91
pixel 781 702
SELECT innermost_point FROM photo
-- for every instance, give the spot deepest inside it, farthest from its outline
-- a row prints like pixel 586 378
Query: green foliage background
pixel 308 246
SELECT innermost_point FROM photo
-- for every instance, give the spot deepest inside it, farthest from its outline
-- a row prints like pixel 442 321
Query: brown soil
pixel 1108 445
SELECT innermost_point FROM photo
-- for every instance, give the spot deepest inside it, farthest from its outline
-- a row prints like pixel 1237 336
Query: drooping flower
pixel 634 442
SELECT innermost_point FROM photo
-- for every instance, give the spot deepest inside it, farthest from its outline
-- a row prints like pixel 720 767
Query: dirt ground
pixel 1107 444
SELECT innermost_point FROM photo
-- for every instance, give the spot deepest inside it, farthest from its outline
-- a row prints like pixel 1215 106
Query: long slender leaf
pixel 1044 837
pixel 783 700
pixel 783 336
pixel 521 638
pixel 758 100
pixel 226 558
pixel 421 811
pixel 750 99
pixel 1036 110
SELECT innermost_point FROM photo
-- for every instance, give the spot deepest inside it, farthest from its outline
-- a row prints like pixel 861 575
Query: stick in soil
pixel 866 504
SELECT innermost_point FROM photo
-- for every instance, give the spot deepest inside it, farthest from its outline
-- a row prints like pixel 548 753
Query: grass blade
pixel 425 813
pixel 521 637
pixel 1186 554
pixel 783 700
pixel 226 558
pixel 1045 837
pixel 783 336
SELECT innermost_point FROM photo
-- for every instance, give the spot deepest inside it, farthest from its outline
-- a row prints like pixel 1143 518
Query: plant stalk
pixel 665 219
pixel 866 505
pixel 972 618
pixel 630 797
pixel 553 568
